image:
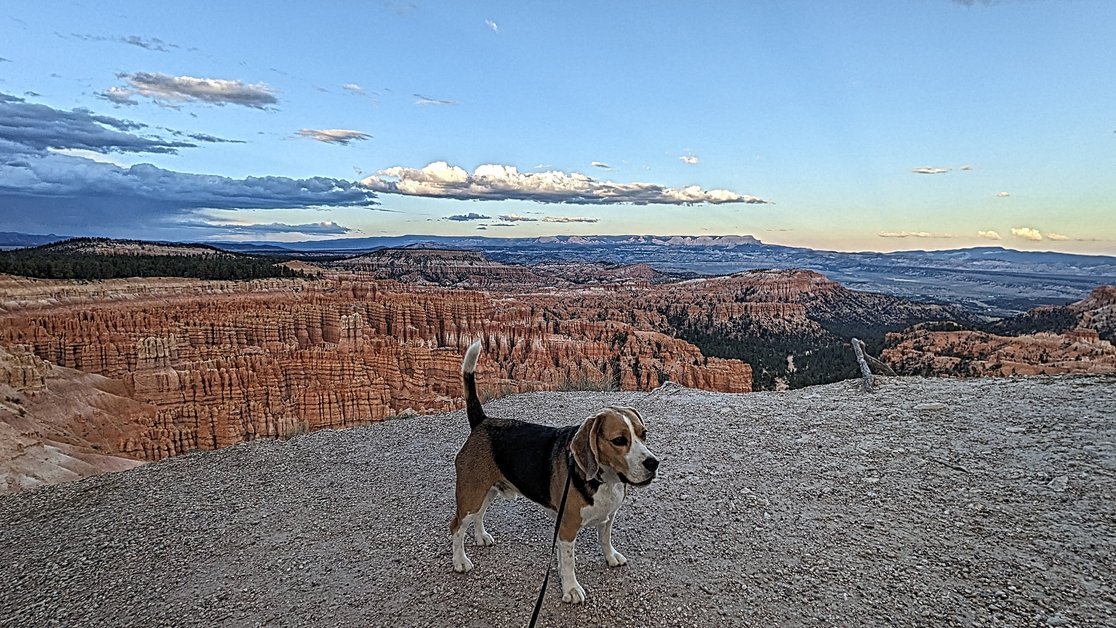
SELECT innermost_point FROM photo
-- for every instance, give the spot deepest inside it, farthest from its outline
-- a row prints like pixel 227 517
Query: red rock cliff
pixel 218 363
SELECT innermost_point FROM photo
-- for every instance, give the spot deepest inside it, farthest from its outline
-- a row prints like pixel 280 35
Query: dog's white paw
pixel 462 566
pixel 484 539
pixel 574 594
pixel 616 559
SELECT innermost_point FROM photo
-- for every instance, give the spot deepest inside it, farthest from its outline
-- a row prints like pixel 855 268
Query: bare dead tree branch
pixel 880 365
pixel 858 347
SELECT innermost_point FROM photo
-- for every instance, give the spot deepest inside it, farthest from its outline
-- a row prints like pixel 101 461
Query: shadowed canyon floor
pixel 926 503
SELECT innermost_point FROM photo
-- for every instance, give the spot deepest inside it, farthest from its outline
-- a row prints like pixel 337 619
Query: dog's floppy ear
pixel 584 446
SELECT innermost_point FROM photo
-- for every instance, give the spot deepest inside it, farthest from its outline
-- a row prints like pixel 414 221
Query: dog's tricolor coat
pixel 510 457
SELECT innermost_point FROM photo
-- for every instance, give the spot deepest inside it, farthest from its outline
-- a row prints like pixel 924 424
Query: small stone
pixel 934 406
pixel 1059 483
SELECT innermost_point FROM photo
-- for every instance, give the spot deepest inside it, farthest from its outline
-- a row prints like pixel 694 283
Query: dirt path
pixel 931 502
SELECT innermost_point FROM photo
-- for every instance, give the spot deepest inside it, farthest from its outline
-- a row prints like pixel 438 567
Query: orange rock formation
pixel 53 422
pixel 1083 348
pixel 211 364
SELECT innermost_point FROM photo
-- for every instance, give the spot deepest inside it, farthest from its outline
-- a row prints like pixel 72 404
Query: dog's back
pixel 522 452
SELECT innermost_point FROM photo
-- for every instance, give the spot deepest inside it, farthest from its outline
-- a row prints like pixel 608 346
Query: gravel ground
pixel 928 503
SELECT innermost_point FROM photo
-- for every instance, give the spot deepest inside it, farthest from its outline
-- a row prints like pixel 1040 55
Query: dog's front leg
pixel 461 562
pixel 572 590
pixel 604 535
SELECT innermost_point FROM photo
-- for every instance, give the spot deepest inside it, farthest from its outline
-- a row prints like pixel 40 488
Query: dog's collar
pixel 625 480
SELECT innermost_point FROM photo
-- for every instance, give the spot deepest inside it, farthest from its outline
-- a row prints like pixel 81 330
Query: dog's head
pixel 615 439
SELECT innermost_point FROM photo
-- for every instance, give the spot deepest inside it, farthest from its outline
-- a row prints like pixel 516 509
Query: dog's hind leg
pixel 472 496
pixel 480 535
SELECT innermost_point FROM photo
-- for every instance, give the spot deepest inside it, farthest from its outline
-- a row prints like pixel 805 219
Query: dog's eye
pixel 620 441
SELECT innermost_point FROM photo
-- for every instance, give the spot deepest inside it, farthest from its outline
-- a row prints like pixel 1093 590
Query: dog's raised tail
pixel 469 377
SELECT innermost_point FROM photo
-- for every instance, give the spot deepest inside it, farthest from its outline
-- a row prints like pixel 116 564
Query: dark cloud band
pixel 39 127
pixel 44 189
pixel 176 89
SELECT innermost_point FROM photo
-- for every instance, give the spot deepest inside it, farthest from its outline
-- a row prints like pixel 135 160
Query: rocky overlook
pixel 929 502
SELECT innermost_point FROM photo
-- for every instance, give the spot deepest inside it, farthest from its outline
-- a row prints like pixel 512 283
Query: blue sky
pixel 843 125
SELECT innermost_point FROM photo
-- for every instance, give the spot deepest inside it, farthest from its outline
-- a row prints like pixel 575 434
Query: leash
pixel 553 542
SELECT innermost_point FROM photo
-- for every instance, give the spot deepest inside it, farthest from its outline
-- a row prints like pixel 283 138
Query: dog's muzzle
pixel 651 464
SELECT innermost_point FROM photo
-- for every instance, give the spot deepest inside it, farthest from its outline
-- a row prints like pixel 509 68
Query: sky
pixel 857 125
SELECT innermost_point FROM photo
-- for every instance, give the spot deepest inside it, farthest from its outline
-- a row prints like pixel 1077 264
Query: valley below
pixel 105 374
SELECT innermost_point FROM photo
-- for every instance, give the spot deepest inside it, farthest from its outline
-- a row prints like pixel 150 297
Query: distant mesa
pixel 14 240
pixel 990 281
pixel 421 263
pixel 108 246
pixel 440 267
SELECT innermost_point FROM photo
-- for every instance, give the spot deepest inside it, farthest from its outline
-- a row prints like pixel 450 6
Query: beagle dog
pixel 605 454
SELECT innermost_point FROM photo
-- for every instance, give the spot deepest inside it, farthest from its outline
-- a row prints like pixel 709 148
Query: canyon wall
pixel 212 364
pixel 967 353
pixel 54 421
pixel 1049 340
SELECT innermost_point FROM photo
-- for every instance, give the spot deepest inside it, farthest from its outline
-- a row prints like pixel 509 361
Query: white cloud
pixel 965 168
pixel 424 100
pixel 567 219
pixel 600 164
pixel 236 228
pixel 1027 233
pixel 118 96
pixel 492 25
pixel 161 87
pixel 499 182
pixel 552 219
pixel 689 159
pixel 357 90
pixel 1057 236
pixel 913 234
pixel 1003 194
pixel 929 170
pixel 152 43
pixel 334 136
pixel 989 235
pixel 467 217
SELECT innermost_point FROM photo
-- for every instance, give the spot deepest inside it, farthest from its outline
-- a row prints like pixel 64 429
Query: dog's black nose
pixel 651 464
